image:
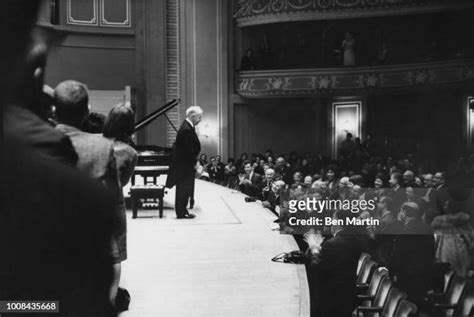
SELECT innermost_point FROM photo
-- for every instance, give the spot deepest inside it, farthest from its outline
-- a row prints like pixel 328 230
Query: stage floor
pixel 218 264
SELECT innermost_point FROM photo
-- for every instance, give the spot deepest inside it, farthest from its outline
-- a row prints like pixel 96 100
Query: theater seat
pixel 405 309
pixel 388 309
pixel 466 305
pixel 366 271
pixel 450 302
pixel 378 301
pixel 367 292
pixel 439 293
pixel 448 277
pixel 363 257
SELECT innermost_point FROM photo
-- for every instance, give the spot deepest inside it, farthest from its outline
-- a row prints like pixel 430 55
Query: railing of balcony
pixel 252 12
pixel 280 83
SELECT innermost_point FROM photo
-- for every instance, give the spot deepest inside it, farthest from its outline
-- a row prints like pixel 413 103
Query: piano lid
pixel 155 114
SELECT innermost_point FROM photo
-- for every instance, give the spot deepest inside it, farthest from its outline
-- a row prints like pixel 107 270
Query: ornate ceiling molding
pixel 306 82
pixel 254 12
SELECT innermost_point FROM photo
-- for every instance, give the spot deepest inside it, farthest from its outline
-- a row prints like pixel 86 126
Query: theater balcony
pixel 341 81
pixel 251 12
pixel 317 47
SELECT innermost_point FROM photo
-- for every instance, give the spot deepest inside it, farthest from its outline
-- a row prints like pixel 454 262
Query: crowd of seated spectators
pixel 425 215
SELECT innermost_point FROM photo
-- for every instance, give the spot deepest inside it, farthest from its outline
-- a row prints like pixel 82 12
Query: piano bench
pixel 144 192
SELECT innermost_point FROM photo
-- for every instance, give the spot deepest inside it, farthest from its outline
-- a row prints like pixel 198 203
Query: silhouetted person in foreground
pixel 333 266
pixel 413 254
pixel 51 250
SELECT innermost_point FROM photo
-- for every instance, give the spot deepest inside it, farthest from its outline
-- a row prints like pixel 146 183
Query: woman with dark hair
pixel 118 127
pixel 379 189
pixel 332 182
pixel 203 159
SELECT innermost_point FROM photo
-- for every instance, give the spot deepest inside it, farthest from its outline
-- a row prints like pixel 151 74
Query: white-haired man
pixel 185 154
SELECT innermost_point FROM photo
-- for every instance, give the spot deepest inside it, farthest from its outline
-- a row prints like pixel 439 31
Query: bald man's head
pixel 194 114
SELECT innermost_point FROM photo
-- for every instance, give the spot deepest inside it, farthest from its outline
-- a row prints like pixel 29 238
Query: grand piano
pixel 153 161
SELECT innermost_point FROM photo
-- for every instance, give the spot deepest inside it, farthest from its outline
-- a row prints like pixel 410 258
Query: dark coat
pixel 185 153
pixel 53 216
pixel 413 258
pixel 333 276
pixel 254 188
pixel 23 126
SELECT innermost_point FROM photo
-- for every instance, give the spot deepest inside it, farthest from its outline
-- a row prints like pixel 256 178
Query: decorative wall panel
pixel 108 13
pixel 115 13
pixel 84 12
pixel 276 83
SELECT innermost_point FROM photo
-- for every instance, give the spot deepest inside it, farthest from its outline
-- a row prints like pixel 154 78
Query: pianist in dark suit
pixel 185 154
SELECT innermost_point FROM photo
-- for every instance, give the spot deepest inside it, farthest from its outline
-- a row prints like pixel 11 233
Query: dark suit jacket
pixel 413 258
pixel 441 195
pixel 254 188
pixel 55 217
pixel 185 153
pixel 333 276
pixel 23 126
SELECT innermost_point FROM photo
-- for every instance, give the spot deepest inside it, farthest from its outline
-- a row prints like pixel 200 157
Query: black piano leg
pixel 134 207
pixel 160 206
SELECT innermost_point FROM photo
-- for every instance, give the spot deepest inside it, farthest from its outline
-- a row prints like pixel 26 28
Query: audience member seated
pixel 240 163
pixel 308 181
pixel 249 181
pixel 266 184
pixel 282 170
pixel 409 179
pixel 93 123
pixel 333 266
pixel 258 165
pixel 203 160
pixel 272 201
pixel 216 171
pixel 297 181
pixel 231 173
pixel 413 254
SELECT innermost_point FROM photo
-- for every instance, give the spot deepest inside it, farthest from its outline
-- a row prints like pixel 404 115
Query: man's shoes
pixel 187 216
